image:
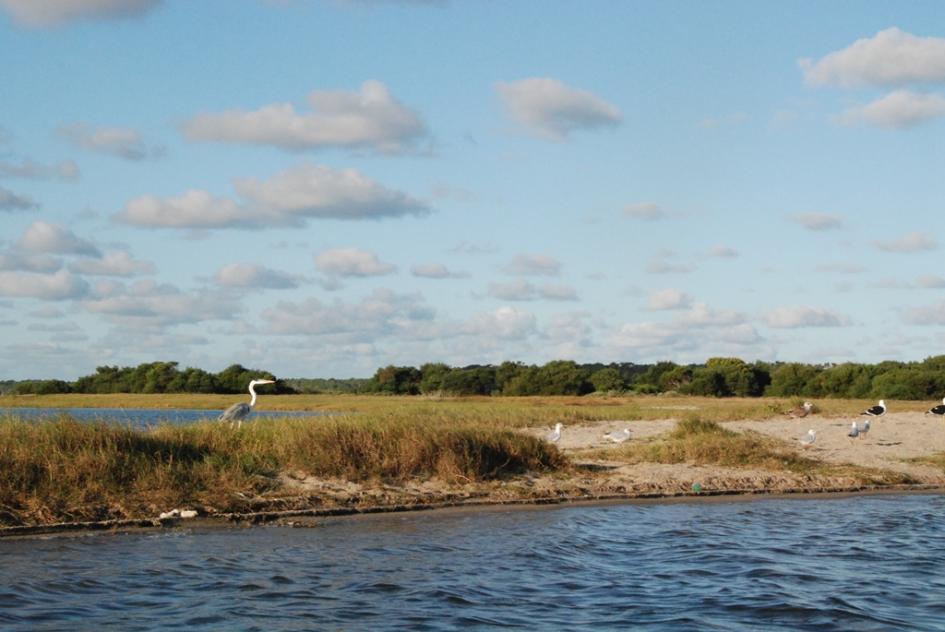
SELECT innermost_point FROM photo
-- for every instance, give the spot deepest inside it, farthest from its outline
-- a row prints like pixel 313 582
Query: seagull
pixel 239 412
pixel 554 435
pixel 808 439
pixel 854 431
pixel 801 411
pixel 876 411
pixel 618 436
pixel 864 429
pixel 937 410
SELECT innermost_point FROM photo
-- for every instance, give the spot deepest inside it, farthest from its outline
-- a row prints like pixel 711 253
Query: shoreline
pixel 313 516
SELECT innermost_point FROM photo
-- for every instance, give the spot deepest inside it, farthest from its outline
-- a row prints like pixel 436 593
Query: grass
pixel 61 469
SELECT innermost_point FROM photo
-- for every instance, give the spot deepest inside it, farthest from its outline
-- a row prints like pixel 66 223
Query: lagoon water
pixel 140 417
pixel 857 563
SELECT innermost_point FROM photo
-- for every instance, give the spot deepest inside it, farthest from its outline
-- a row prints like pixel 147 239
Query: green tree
pixel 607 379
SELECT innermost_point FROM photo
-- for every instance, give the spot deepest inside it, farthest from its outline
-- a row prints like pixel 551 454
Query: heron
pixel 239 412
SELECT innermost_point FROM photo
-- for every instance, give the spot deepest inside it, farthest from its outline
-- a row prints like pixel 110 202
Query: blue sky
pixel 320 188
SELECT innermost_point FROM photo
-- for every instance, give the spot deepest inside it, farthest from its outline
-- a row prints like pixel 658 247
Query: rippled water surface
pixel 139 417
pixel 863 563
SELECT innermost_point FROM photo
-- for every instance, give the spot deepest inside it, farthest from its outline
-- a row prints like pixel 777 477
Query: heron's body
pixel 238 412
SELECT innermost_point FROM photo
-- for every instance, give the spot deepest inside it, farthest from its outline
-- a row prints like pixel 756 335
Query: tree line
pixel 717 377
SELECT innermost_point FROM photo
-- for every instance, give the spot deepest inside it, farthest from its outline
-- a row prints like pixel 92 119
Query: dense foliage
pixel 717 377
pixel 154 377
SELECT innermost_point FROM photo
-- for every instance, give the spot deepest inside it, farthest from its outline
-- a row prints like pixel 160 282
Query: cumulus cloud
pixel 897 110
pixel 381 313
pixel 646 210
pixel 553 110
pixel 15 260
pixel 28 169
pixel 505 323
pixel 913 242
pixel 533 265
pixel 10 201
pixel 251 275
pixel 522 290
pixel 926 315
pixel 113 263
pixel 43 237
pixel 436 271
pixel 663 265
pixel 352 262
pixel 288 198
pixel 44 13
pixel 369 119
pixel 122 142
pixel 60 285
pixel 701 315
pixel 930 281
pixel 669 298
pixel 150 304
pixel 818 221
pixel 891 57
pixel 796 316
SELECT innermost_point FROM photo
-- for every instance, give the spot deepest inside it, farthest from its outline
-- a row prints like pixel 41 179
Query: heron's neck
pixel 252 392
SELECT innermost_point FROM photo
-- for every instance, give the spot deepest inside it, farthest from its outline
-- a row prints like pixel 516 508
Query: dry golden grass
pixel 61 469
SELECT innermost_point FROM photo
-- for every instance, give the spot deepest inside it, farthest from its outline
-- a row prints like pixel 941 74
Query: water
pixel 141 417
pixel 863 563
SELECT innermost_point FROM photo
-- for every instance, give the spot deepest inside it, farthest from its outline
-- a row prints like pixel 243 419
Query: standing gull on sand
pixel 876 411
pixel 808 439
pixel 554 435
pixel 864 429
pixel 239 412
pixel 854 431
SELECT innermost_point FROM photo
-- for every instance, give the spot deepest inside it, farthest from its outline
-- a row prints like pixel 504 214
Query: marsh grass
pixel 61 469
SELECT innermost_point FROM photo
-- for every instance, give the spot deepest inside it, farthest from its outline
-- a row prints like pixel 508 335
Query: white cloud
pixel 13 260
pixel 913 242
pixel 505 323
pixel 668 298
pixel 251 275
pixel 897 110
pixel 818 221
pixel 113 263
pixel 664 266
pixel 795 316
pixel 39 13
pixel 931 281
pixel 288 198
pixel 522 290
pixel 352 262
pixel 557 292
pixel 149 304
pixel 382 313
pixel 436 271
pixel 52 238
pixel 371 118
pixel 58 286
pixel 701 315
pixel 928 315
pixel 10 201
pixel 533 265
pixel 723 252
pixel 646 210
pixel 553 110
pixel 840 267
pixel 891 57
pixel 64 170
pixel 122 142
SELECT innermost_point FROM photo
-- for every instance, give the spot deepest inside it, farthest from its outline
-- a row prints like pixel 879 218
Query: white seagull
pixel 239 412
pixel 555 434
pixel 854 431
pixel 864 429
pixel 937 410
pixel 876 411
pixel 808 439
pixel 618 436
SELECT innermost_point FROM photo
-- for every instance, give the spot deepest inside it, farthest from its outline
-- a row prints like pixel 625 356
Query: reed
pixel 60 469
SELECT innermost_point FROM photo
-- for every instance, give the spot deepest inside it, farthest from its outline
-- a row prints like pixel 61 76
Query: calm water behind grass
pixel 864 563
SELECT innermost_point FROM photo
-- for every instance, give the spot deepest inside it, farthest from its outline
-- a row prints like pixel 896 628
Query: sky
pixel 320 188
